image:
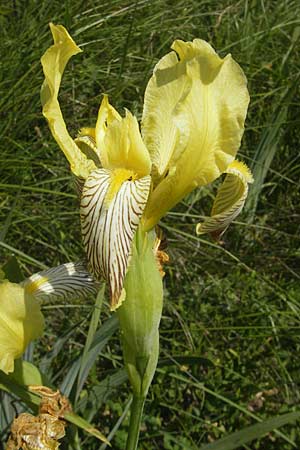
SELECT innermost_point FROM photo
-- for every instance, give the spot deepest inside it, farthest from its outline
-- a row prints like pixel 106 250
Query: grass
pixel 231 321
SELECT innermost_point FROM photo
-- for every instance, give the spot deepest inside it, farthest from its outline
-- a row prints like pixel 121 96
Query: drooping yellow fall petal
pixel 112 204
pixel 54 62
pixel 120 142
pixel 193 121
pixel 229 201
pixel 67 281
pixel 21 321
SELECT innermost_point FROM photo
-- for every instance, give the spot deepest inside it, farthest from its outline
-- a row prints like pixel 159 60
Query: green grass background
pixel 231 321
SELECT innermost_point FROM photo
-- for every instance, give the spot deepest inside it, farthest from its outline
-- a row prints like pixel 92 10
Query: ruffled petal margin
pixel 193 121
pixel 109 224
pixel 229 201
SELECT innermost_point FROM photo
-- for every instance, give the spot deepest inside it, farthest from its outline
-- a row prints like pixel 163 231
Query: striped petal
pixel 67 281
pixel 54 62
pixel 109 224
pixel 78 184
pixel 229 201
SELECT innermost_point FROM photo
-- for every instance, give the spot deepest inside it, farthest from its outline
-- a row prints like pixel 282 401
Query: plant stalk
pixel 136 412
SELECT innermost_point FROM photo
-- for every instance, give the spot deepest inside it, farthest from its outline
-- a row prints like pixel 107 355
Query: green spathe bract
pixel 140 313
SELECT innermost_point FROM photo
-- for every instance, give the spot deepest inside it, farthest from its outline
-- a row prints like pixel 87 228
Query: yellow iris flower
pixel 21 320
pixel 193 121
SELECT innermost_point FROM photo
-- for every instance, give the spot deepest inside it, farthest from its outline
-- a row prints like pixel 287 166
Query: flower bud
pixel 140 313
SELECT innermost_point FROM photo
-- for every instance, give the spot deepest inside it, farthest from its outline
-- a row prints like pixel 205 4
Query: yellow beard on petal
pixel 118 176
pixel 32 287
pixel 238 167
pixel 86 131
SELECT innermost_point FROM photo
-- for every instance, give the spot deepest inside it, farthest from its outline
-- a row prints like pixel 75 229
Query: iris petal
pixel 54 62
pixel 193 121
pixel 123 147
pixel 229 201
pixel 166 89
pixel 106 115
pixel 21 321
pixel 88 146
pixel 67 281
pixel 109 224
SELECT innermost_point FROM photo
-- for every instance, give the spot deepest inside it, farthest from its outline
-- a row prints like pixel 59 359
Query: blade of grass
pixel 248 434
pixel 201 386
pixel 88 359
pixel 99 393
pixel 101 338
pixel 267 148
pixel 58 346
pixel 117 424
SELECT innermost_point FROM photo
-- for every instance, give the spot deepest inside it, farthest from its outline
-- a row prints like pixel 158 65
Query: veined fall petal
pixel 54 62
pixel 112 204
pixel 70 280
pixel 199 100
pixel 229 201
pixel 21 321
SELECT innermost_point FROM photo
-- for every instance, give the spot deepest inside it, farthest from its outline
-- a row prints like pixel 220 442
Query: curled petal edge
pixel 229 202
pixel 54 62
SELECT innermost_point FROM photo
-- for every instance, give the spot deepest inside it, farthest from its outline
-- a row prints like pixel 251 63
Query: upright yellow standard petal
pixel 123 147
pixel 112 205
pixel 21 321
pixel 106 115
pixel 193 121
pixel 162 134
pixel 54 62
pixel 229 201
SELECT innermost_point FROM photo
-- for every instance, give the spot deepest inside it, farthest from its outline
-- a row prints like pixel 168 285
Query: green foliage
pixel 231 320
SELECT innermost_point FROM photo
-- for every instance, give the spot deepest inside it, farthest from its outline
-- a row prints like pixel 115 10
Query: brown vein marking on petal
pixel 62 282
pixel 108 229
pixel 78 184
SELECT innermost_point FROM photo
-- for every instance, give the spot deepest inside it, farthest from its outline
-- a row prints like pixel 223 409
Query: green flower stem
pixel 136 412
